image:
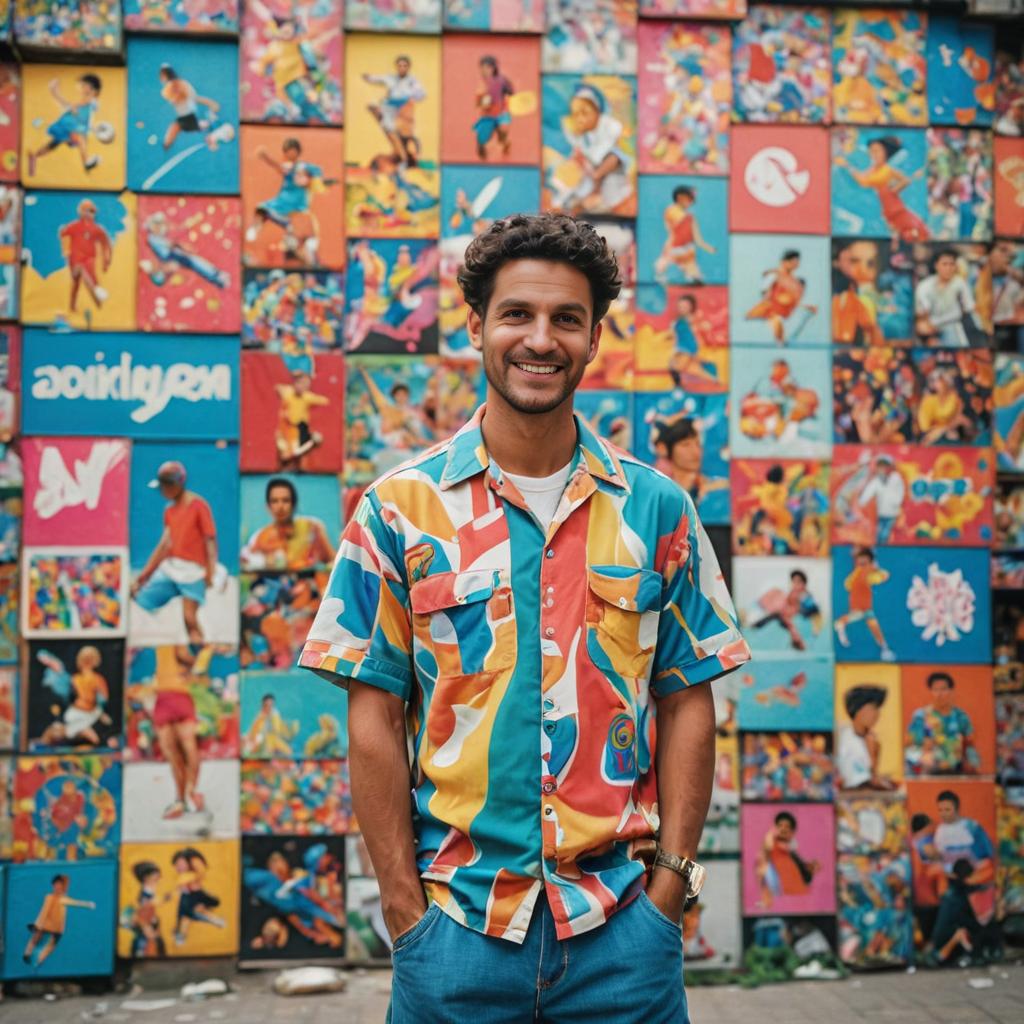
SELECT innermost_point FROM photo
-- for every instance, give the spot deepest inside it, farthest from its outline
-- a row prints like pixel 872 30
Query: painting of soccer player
pixel 180 797
pixel 281 718
pixel 952 826
pixel 79 251
pixel 687 243
pixel 686 437
pixel 685 89
pixel 492 112
pixel 182 116
pixel 948 292
pixel 201 17
pixel 293 898
pixel 393 136
pixel 57 920
pixel 779 292
pixel 788 858
pixel 948 720
pixel 292 419
pixel 183 552
pixel 178 898
pixel 589 136
pixel 290 194
pixel 291 62
pixel 74 697
pixel 960 86
pixel 289 522
pixel 392 290
pixel 872 292
pixel 785 603
pixel 73 127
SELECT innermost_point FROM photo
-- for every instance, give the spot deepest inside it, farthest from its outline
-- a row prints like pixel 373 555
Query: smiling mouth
pixel 538 369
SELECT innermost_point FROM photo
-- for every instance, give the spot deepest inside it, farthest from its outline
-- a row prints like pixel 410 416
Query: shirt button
pixel 549 704
pixel 549 728
pixel 550 631
pixel 550 553
pixel 548 811
pixel 550 590
pixel 549 602
pixel 548 787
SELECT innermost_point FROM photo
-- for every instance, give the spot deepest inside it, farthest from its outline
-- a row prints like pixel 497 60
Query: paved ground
pixel 932 997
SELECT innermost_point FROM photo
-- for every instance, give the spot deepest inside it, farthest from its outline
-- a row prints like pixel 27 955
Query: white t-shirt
pixel 852 759
pixel 888 494
pixel 542 493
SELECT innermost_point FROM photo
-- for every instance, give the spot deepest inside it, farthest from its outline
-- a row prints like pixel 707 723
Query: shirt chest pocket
pixel 465 621
pixel 623 603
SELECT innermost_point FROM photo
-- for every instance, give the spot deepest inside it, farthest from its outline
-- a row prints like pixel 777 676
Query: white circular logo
pixel 773 177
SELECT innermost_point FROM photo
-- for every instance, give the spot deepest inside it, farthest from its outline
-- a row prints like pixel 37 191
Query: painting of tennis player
pixel 779 290
pixel 182 116
pixel 291 191
pixel 492 99
pixel 73 128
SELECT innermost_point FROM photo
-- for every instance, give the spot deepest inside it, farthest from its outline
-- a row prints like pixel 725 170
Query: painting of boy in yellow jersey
pixel 292 420
pixel 75 694
pixel 393 136
pixel 291 61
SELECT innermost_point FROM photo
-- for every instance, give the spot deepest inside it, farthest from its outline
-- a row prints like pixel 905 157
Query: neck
pixel 528 444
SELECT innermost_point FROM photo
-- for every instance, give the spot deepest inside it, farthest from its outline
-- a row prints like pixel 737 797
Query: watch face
pixel 697 875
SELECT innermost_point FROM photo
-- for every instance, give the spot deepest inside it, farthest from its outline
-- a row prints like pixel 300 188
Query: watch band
pixel 690 871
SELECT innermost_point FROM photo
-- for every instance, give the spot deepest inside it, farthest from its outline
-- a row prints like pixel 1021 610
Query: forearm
pixel 211 555
pixel 159 553
pixel 381 798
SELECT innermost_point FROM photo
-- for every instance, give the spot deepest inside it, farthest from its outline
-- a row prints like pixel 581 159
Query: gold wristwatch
pixel 692 873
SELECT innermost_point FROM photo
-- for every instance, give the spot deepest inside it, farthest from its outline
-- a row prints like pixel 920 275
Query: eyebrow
pixel 565 307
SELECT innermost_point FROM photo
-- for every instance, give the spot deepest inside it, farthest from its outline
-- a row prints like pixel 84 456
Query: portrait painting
pixel 784 604
pixel 182 115
pixel 879 67
pixel 788 859
pixel 392 297
pixel 907 494
pixel 178 899
pixel 75 695
pixel 779 507
pixel 393 136
pixel 492 99
pixel 782 65
pixel 75 487
pixel 682 338
pixel 686 436
pixel 291 189
pixel 292 419
pixel 786 692
pixel 685 87
pixel 589 144
pixel 872 292
pixel 181 704
pixel 73 126
pixel 293 898
pixel 81 249
pixel 868 728
pixel 66 808
pixel 953 302
pixel 291 55
pixel 912 604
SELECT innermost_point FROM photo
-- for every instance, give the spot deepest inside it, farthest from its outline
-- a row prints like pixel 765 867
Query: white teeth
pixel 537 367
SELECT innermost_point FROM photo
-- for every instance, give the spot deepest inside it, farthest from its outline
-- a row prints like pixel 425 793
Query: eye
pixel 569 318
pixel 514 313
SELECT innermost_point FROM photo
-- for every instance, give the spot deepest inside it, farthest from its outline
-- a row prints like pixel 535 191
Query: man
pixel 942 303
pixel 960 838
pixel 184 561
pixel 940 736
pixel 780 870
pixel 887 490
pixel 396 113
pixel 289 541
pixel 81 242
pixel 558 596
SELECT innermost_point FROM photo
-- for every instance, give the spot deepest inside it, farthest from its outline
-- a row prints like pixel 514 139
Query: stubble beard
pixel 496 370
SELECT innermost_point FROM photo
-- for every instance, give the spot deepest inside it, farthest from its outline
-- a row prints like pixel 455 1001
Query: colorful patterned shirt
pixel 528 661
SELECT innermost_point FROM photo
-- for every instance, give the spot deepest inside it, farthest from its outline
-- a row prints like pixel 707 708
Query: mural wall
pixel 229 236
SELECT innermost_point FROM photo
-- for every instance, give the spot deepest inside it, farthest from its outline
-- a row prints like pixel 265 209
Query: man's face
pixel 863 561
pixel 281 505
pixel 999 258
pixel 784 830
pixel 947 811
pixel 868 716
pixel 536 335
pixel 170 489
pixel 60 886
pixel 583 115
pixel 883 469
pixel 942 694
pixel 792 263
pixel 945 267
pixel 302 383
pixel 859 262
pixel 402 68
pixel 687 454
pixel 400 397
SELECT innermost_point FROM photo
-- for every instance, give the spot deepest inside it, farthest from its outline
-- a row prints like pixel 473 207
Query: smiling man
pixel 514 609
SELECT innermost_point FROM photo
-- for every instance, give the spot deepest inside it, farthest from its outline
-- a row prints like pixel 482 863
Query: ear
pixel 475 329
pixel 595 341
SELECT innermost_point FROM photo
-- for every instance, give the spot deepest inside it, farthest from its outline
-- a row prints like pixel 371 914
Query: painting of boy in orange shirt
pixel 780 869
pixel 859 584
pixel 48 927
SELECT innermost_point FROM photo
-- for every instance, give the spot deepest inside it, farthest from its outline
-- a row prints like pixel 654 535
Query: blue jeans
pixel 628 971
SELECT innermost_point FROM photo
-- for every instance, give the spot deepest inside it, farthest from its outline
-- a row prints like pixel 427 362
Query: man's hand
pixel 667 891
pixel 140 582
pixel 403 917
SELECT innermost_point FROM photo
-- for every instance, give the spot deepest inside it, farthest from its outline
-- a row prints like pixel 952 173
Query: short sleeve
pixel 698 635
pixel 363 629
pixel 206 523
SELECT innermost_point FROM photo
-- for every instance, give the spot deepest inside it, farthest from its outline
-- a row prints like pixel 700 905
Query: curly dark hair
pixel 545 236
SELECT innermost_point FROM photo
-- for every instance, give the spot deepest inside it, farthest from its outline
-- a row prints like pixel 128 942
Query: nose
pixel 541 339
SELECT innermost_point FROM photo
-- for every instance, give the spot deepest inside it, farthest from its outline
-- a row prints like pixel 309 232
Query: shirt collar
pixel 467 455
